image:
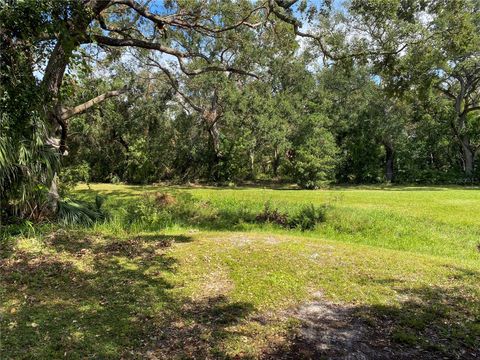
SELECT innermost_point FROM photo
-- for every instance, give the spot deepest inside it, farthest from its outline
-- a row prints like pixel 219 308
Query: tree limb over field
pixel 181 26
pixel 67 113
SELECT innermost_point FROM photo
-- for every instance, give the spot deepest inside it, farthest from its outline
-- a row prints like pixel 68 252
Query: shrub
pixel 143 212
pixel 305 219
pixel 312 163
pixel 74 212
pixel 114 179
pixel 272 215
pixel 161 210
pixel 308 217
pixel 164 209
pixel 165 199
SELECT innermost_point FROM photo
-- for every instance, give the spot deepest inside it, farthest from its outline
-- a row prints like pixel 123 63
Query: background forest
pixel 304 119
pixel 291 91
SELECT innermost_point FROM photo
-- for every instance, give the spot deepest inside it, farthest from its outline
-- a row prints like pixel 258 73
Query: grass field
pixel 395 269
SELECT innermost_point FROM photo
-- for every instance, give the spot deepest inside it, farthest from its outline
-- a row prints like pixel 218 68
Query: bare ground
pixel 336 331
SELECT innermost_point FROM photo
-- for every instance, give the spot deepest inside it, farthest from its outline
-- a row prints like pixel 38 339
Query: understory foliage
pixel 163 210
pixel 274 137
pixel 27 163
pixel 306 218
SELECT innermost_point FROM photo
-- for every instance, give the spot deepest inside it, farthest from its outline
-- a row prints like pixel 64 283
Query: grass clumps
pixel 165 199
pixel 306 218
pixel 166 210
pixel 309 216
pixel 272 215
pixel 162 210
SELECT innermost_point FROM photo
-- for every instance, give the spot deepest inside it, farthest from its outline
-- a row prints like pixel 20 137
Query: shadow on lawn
pixel 101 297
pixel 197 330
pixel 76 242
pixel 430 323
pixel 105 298
pixel 92 296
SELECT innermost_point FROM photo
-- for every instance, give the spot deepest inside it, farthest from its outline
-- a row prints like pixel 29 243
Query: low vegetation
pixel 201 275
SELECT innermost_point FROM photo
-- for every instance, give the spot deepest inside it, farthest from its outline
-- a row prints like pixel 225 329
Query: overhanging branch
pixel 79 109
pixel 178 20
pixel 109 41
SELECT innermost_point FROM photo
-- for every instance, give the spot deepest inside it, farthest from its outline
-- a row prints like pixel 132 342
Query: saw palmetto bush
pixel 75 212
pixel 27 163
pixel 27 166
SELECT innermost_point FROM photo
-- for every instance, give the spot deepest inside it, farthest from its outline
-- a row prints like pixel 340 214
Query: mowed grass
pixel 219 287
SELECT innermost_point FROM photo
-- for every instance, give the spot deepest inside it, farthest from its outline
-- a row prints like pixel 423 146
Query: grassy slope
pixel 433 221
pixel 406 253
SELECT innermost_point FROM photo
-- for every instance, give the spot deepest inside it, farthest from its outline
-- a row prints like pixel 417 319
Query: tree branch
pixel 174 20
pixel 211 68
pixel 446 92
pixel 79 109
pixel 470 109
pixel 109 41
pixel 175 86
pixel 286 4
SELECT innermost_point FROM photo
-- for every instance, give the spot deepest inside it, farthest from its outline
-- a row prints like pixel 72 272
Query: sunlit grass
pixel 435 221
pixel 409 255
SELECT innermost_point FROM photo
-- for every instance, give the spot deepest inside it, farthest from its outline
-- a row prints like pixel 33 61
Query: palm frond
pixel 72 212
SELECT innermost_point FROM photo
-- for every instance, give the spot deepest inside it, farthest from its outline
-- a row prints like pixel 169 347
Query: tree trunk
pixel 468 157
pixel 53 78
pixel 389 162
pixel 214 140
pixel 53 196
pixel 468 151
pixel 275 162
pixel 214 134
pixel 252 165
pixel 52 82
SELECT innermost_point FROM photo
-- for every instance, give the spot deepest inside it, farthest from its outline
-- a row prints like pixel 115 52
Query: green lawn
pixel 213 285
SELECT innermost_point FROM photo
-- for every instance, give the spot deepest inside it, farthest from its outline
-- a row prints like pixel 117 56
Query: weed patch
pixel 161 210
pixel 306 218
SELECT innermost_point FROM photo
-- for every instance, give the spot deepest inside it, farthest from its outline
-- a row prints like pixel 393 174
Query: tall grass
pixel 432 221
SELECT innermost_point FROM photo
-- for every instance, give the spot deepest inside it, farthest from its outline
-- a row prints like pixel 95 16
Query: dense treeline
pixel 324 126
pixel 298 91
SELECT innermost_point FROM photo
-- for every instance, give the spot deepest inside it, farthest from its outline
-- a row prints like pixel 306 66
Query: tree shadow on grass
pixel 77 242
pixel 7 245
pixel 197 329
pixel 104 298
pixel 430 322
pixel 113 298
pixel 59 309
